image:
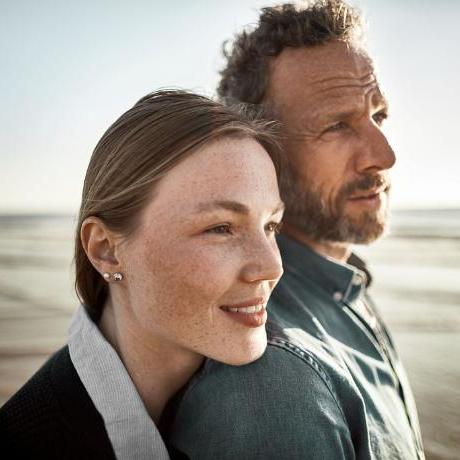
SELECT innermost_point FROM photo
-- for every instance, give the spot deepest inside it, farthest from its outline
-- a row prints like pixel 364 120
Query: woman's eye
pixel 219 229
pixel 274 227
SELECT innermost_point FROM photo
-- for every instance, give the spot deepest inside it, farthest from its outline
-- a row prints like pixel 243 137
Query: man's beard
pixel 307 210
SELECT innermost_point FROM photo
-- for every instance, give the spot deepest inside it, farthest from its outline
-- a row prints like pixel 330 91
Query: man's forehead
pixel 320 67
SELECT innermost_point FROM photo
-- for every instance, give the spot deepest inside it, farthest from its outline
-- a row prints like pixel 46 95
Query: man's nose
pixel 375 153
pixel 263 261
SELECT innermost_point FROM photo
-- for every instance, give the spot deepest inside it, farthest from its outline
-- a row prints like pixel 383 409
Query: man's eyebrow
pixel 233 206
pixel 380 100
pixel 340 115
pixel 382 103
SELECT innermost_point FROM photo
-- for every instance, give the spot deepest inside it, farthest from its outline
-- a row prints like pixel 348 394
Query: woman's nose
pixel 263 261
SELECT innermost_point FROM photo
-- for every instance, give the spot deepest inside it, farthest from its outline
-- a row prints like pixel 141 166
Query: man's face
pixel 336 184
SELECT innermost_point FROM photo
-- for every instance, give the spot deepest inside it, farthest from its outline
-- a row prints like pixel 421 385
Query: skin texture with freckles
pixel 206 240
pixel 336 186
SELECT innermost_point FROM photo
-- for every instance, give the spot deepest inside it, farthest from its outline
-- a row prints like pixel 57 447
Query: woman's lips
pixel 251 313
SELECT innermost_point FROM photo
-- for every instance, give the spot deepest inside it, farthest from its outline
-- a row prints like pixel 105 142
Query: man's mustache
pixel 366 183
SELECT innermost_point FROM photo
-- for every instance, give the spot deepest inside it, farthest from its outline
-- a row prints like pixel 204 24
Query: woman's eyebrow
pixel 279 208
pixel 233 206
pixel 229 205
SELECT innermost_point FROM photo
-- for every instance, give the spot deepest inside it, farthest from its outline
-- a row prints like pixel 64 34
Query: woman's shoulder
pixel 53 416
pixel 38 392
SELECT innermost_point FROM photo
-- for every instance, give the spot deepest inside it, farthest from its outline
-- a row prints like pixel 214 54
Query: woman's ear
pixel 99 244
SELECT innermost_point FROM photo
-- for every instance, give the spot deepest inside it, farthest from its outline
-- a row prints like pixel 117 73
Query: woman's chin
pixel 246 352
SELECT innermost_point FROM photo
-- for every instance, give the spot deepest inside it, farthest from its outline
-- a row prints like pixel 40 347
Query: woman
pixel 175 260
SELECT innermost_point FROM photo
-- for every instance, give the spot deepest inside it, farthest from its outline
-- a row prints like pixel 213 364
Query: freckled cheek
pixel 187 299
pixel 187 275
pixel 208 272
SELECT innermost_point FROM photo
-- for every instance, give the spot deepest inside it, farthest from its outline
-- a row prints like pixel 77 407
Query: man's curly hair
pixel 245 77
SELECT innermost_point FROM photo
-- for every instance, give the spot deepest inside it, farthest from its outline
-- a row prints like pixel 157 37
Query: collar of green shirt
pixel 342 281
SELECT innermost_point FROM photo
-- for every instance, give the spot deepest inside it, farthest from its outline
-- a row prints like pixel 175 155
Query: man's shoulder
pixel 49 411
pixel 285 398
pixel 284 367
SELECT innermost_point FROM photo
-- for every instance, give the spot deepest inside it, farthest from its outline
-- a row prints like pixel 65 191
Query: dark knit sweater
pixel 53 417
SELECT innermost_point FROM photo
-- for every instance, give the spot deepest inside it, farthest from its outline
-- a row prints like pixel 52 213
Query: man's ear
pixel 99 244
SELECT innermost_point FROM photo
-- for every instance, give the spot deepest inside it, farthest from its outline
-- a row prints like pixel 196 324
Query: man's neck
pixel 335 250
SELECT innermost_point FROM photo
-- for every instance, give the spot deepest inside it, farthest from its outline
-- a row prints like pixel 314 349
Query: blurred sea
pixel 416 271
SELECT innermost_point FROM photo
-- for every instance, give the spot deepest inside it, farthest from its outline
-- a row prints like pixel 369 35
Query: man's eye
pixel 336 127
pixel 274 227
pixel 219 229
pixel 380 117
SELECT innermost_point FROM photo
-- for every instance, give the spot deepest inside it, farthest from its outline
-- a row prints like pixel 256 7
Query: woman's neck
pixel 156 366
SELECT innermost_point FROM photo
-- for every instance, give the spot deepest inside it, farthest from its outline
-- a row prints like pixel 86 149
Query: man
pixel 330 385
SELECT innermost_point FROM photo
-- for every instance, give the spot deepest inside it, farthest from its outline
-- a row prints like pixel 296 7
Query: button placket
pixel 337 296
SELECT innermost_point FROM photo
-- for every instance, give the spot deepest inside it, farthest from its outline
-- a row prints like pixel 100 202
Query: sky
pixel 69 69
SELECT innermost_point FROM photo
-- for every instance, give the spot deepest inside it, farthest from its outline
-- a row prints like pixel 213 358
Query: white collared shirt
pixel 130 429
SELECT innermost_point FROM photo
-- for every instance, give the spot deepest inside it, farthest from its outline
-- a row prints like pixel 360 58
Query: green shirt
pixel 330 385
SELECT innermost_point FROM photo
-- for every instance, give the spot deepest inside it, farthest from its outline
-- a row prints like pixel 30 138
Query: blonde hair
pixel 159 131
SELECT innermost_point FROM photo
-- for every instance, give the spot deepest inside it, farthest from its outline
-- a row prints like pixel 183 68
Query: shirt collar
pixel 129 427
pixel 342 281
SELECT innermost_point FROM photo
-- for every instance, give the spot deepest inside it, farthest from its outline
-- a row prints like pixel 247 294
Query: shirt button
pixel 337 296
pixel 357 279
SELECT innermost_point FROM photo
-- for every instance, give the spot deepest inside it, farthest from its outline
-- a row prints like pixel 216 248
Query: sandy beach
pixel 416 284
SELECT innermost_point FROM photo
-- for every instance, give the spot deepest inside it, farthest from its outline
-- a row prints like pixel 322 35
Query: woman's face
pixel 199 270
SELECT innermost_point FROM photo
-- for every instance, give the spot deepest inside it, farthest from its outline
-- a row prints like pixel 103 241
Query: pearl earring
pixel 116 276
